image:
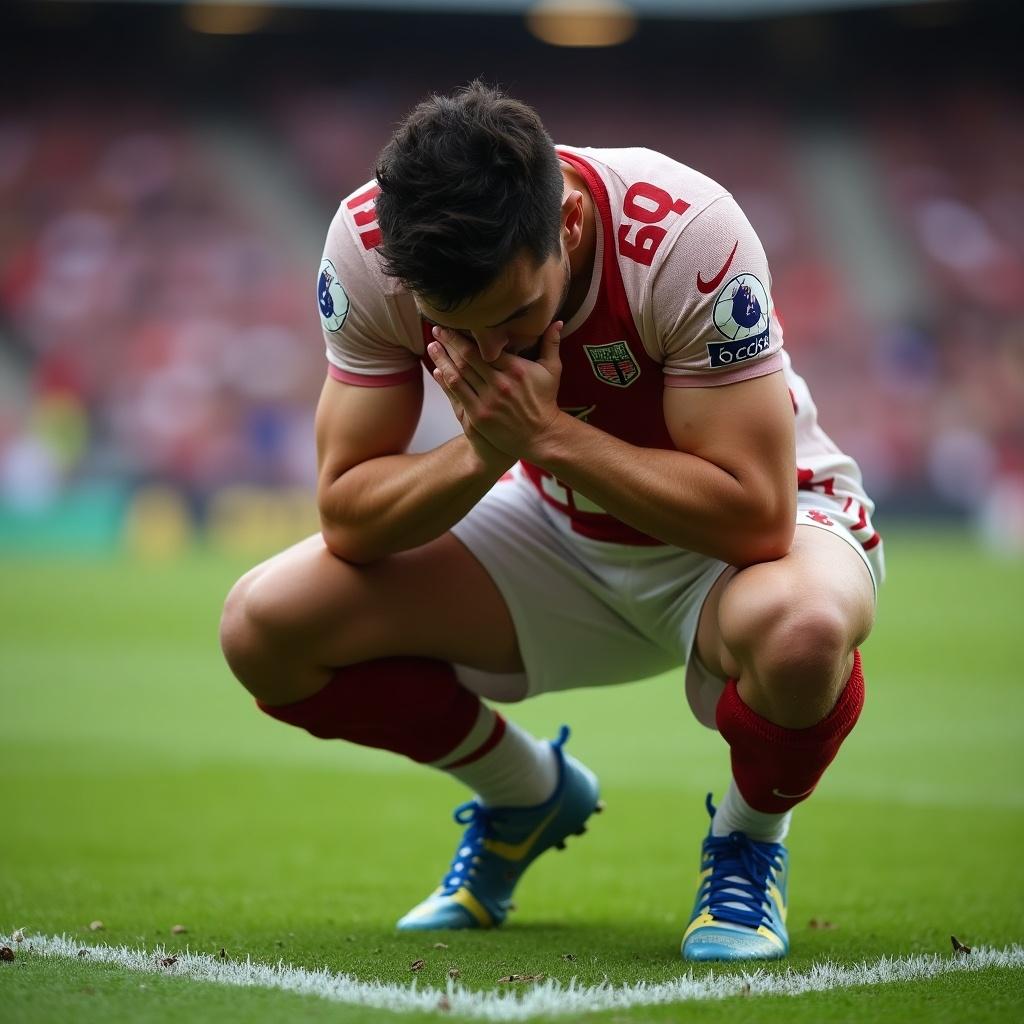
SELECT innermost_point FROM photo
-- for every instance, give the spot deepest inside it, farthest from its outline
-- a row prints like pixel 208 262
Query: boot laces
pixel 467 856
pixel 741 871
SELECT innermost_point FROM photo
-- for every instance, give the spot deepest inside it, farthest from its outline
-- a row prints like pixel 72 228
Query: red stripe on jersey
pixel 805 482
pixel 608 530
pixel 364 217
pixel 485 748
pixel 370 239
pixel 872 541
pixel 593 525
pixel 848 503
pixel 632 412
pixel 364 197
pixel 863 520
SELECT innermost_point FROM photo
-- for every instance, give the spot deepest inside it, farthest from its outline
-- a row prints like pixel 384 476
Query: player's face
pixel 514 312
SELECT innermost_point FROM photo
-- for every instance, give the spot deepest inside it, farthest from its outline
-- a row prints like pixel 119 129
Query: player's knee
pixel 248 622
pixel 233 626
pixel 785 639
pixel 809 647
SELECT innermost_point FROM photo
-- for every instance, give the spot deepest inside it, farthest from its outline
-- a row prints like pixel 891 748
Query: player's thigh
pixel 434 601
pixel 821 584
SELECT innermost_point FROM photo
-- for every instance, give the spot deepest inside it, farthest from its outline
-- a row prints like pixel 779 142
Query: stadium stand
pixel 154 328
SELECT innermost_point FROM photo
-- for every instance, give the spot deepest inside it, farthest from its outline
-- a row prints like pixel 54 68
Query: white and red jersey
pixel 680 297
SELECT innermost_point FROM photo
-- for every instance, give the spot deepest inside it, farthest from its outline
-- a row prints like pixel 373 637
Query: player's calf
pixel 775 767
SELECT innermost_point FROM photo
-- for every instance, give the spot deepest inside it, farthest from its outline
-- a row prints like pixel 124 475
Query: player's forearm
pixel 397 502
pixel 677 497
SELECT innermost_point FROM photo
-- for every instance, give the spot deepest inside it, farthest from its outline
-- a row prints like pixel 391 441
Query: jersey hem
pixel 372 380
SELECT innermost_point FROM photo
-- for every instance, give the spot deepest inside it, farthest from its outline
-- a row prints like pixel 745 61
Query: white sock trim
pixel 477 737
pixel 521 771
pixel 734 814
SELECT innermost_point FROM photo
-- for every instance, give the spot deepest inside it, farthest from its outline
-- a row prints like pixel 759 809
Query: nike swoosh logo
pixel 793 796
pixel 705 287
pixel 517 851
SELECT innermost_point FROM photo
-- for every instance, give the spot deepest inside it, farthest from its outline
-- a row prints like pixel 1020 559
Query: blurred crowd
pixel 154 326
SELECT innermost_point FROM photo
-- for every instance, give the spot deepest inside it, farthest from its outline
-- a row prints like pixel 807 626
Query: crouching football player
pixel 640 484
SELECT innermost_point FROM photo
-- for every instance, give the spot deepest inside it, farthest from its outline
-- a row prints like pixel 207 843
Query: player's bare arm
pixel 374 498
pixel 727 492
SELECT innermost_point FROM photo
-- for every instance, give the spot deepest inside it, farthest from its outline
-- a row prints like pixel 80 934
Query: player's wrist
pixel 485 460
pixel 553 442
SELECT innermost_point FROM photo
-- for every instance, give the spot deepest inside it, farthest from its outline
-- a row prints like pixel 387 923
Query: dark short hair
pixel 468 182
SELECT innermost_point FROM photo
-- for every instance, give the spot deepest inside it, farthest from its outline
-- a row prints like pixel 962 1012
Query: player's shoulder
pixel 353 237
pixel 656 206
pixel 642 183
pixel 369 319
pixel 692 268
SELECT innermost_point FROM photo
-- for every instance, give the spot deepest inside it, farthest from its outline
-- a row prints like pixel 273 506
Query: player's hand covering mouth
pixel 531 352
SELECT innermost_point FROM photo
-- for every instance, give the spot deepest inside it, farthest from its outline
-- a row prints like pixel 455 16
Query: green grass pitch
pixel 139 787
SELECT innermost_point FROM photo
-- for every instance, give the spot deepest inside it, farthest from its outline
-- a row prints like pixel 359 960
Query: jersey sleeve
pixel 710 304
pixel 366 338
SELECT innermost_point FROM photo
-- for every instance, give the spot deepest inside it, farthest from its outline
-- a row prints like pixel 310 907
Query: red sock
pixel 776 768
pixel 413 706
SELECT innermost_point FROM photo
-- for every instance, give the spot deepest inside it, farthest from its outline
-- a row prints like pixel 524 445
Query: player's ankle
pixel 734 814
pixel 510 768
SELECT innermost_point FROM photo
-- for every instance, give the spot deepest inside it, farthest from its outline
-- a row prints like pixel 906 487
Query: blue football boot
pixel 740 910
pixel 500 844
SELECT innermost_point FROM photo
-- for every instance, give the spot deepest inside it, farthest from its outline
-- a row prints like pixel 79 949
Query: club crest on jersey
pixel 741 313
pixel 331 297
pixel 614 364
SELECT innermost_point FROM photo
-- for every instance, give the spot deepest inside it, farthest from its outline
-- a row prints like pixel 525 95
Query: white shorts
pixel 589 613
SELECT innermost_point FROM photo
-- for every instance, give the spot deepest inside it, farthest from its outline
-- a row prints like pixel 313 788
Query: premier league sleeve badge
pixel 331 298
pixel 741 314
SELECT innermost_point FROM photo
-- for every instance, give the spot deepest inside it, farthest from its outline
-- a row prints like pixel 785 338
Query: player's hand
pixel 492 458
pixel 512 402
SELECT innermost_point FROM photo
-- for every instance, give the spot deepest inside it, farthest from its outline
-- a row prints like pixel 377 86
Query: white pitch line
pixel 548 998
